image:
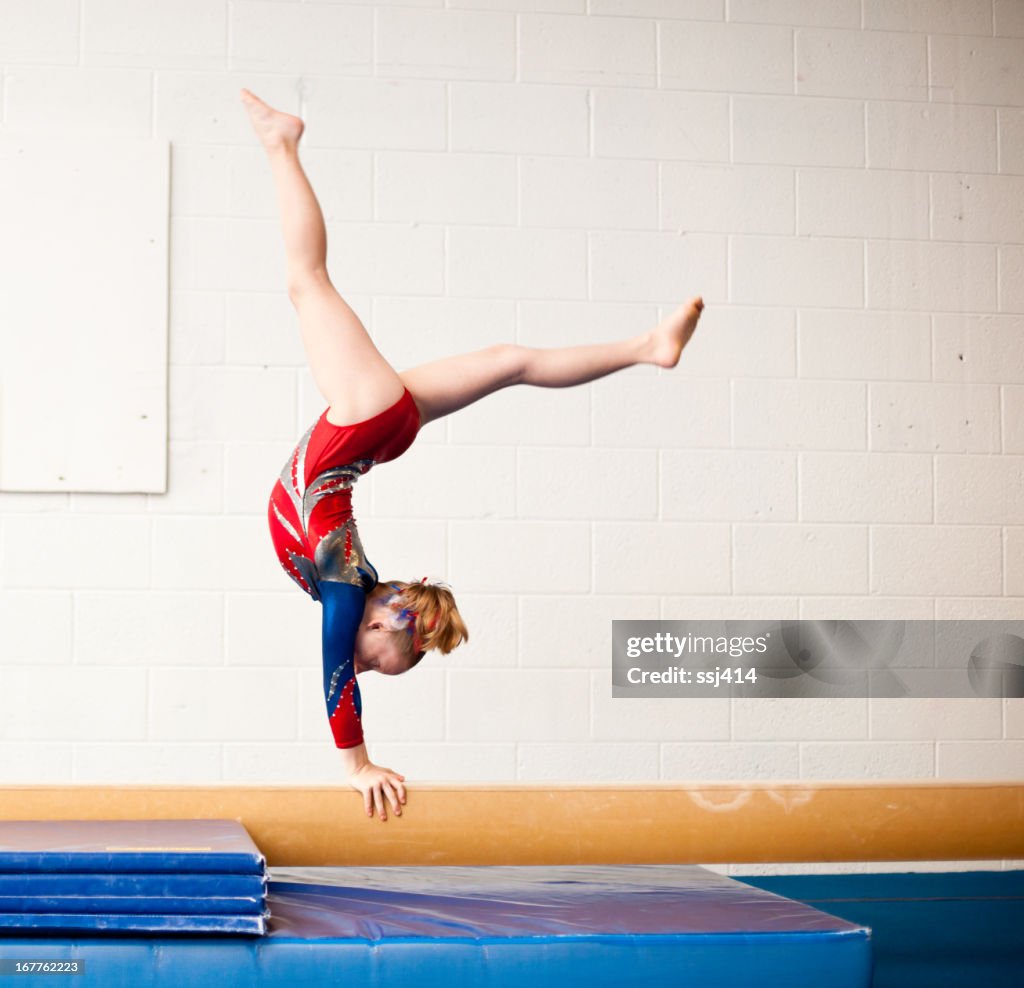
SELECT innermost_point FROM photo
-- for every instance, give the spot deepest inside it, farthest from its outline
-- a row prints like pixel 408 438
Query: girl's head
pixel 402 622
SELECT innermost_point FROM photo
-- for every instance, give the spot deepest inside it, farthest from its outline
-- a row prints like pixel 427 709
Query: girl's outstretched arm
pixel 343 605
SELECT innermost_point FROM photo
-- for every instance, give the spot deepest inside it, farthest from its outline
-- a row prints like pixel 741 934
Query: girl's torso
pixel 310 510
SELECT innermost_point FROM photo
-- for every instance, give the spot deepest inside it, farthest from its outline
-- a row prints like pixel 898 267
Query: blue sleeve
pixel 343 606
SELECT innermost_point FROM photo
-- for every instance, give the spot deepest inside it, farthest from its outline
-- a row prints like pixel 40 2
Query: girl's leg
pixel 352 375
pixel 446 385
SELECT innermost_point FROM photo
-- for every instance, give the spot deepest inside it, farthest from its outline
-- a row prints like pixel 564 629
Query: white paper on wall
pixel 83 313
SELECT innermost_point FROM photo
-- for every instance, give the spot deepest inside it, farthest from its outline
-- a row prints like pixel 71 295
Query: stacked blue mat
pixel 131 876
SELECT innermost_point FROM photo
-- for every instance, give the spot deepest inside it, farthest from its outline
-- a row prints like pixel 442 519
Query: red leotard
pixel 310 509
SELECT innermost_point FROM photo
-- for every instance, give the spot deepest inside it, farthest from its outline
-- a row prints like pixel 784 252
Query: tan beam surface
pixel 447 824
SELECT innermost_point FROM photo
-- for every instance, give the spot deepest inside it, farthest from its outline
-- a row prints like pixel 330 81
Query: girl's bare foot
pixel 673 333
pixel 274 128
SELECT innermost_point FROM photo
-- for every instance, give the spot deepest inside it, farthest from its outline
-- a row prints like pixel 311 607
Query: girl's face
pixel 376 648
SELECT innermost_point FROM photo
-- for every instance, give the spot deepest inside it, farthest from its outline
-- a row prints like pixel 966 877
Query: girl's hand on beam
pixel 378 784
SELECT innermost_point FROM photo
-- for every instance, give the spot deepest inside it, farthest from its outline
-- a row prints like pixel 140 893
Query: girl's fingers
pixel 396 779
pixel 390 793
pixel 387 789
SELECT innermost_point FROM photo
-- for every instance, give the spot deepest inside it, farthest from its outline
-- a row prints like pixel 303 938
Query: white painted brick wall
pixel 978 208
pixel 163 34
pixel 596 762
pixel 647 557
pixel 653 719
pixel 727 198
pixel 788 414
pixel 980 490
pixel 866 487
pixel 935 560
pixel 674 416
pixel 728 485
pixel 870 608
pixel 864 760
pixel 843 182
pixel 749 342
pixel 572 631
pixel 369 113
pixel 895 719
pixel 583 192
pixel 930 277
pixel 444 44
pixel 725 760
pixel 800 559
pixel 464 188
pixel 408 708
pixel 1011 140
pixel 796 271
pixel 1009 18
pixel 524 415
pixel 238 704
pixel 1011 279
pixel 1013 556
pixel 37 626
pixel 992 760
pixel 932 136
pixel 594 50
pixel 868 65
pixel 506 705
pixel 936 16
pixel 788 130
pixel 929 418
pixel 660 124
pixel 742 58
pixel 53 99
pixel 1013 420
pixel 75 703
pixel 537 263
pixel 310 38
pixel 146 628
pixel 636 267
pixel 861 345
pixel 977 70
pixel 978 348
pixel 31 31
pixel 812 13
pixel 856 202
pixel 592 483
pixel 791 719
pixel 517 119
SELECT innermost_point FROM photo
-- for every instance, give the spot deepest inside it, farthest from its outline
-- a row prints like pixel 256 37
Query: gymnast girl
pixel 373 416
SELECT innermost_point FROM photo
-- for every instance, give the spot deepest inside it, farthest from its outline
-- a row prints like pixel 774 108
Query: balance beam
pixel 650 823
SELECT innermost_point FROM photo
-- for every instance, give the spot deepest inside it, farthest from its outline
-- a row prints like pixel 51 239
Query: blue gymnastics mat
pixel 30 847
pixel 593 925
pixel 97 877
pixel 929 929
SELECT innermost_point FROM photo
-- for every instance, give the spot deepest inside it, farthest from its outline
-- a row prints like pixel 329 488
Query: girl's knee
pixel 301 284
pixel 513 359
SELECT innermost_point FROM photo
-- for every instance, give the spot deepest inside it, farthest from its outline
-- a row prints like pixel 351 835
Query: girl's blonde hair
pixel 431 619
